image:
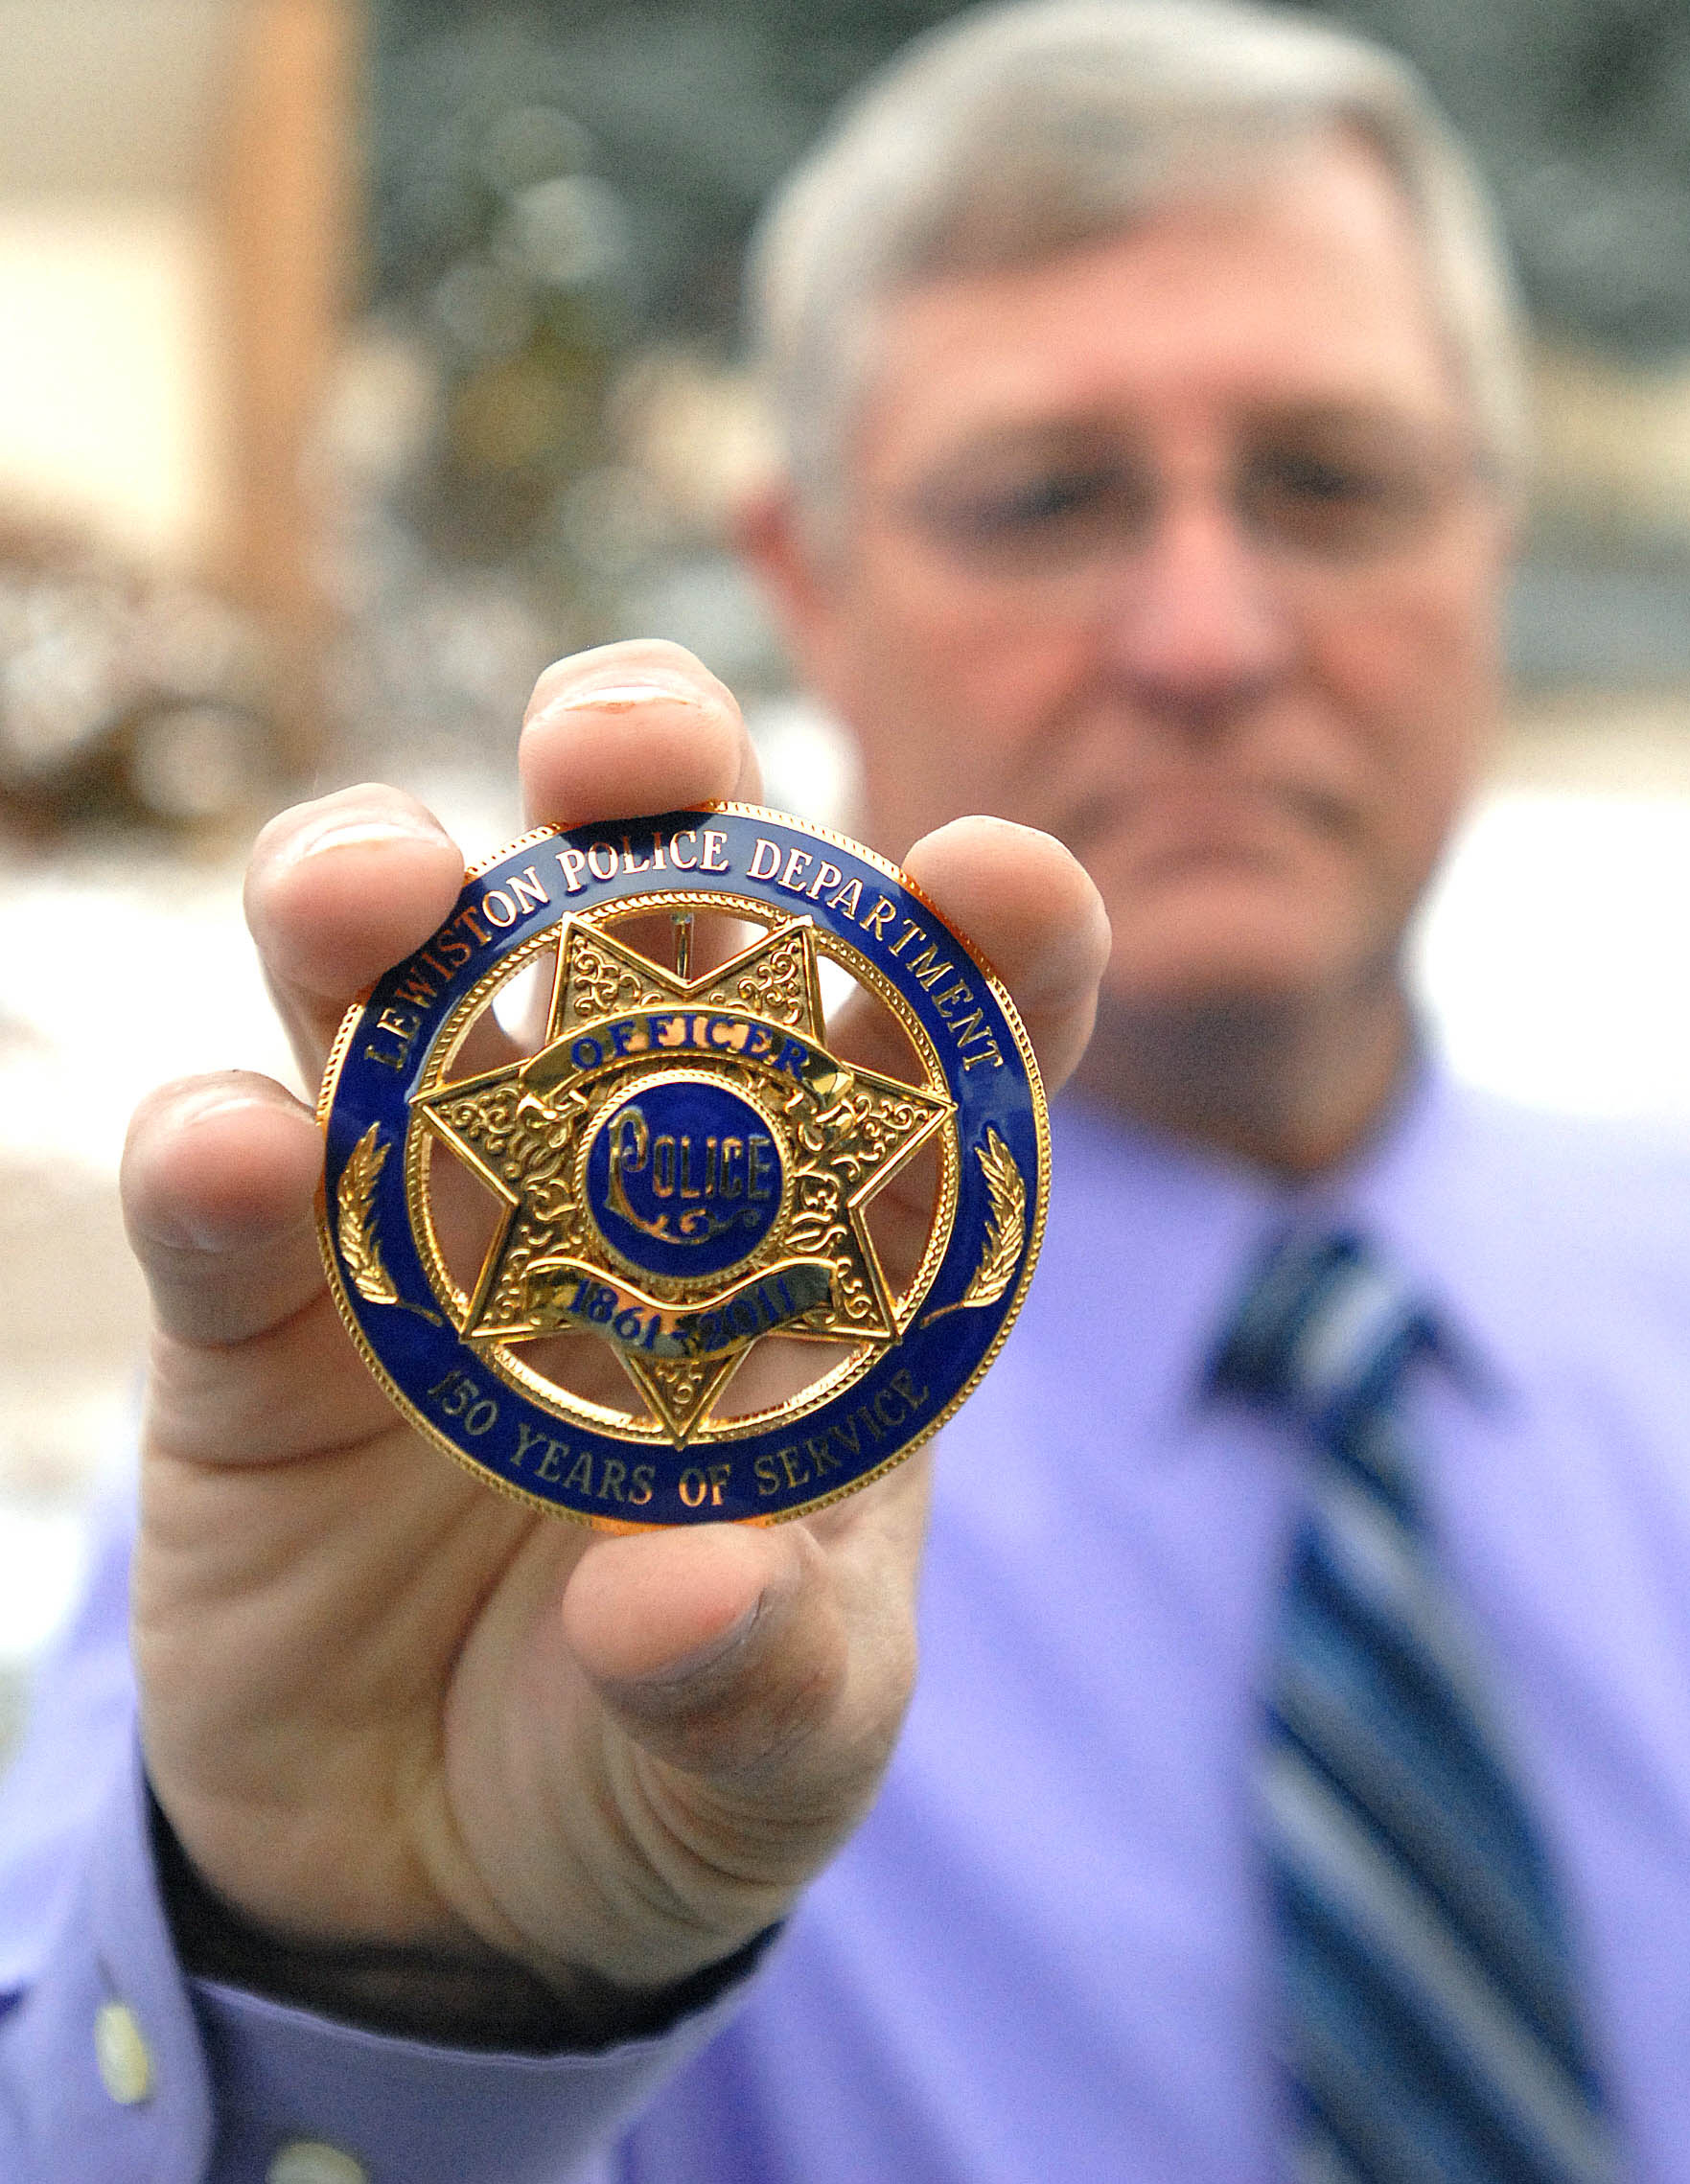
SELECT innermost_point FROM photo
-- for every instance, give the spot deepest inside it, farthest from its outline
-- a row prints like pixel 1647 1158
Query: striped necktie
pixel 1429 2022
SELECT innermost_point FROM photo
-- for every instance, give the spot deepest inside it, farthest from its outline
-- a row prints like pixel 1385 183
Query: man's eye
pixel 1316 478
pixel 1044 513
pixel 1330 504
pixel 1045 500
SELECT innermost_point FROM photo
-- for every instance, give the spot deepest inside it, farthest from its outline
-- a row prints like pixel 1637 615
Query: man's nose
pixel 1195 622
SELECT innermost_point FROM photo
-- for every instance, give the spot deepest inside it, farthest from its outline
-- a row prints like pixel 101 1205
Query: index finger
pixel 342 888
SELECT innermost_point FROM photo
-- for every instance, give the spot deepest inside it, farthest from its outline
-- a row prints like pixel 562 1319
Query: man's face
pixel 1176 545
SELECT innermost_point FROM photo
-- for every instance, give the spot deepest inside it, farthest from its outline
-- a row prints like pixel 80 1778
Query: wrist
pixel 417 1992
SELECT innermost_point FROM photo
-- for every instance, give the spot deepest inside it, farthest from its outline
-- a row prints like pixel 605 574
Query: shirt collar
pixel 1414 1188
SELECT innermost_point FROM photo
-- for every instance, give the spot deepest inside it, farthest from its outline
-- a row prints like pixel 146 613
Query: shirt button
pixel 309 2161
pixel 122 2052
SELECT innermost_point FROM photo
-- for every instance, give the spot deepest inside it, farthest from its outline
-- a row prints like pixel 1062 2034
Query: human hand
pixel 438 1746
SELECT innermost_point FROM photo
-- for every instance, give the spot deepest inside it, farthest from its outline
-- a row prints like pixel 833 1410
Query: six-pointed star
pixel 520 1128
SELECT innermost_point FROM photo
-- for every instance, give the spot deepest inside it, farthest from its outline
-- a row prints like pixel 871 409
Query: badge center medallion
pixel 685 1178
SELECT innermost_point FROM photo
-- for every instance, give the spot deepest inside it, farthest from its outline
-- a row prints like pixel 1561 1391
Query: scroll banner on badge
pixel 563 1292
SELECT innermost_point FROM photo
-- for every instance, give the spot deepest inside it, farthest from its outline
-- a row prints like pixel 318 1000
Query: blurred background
pixel 358 356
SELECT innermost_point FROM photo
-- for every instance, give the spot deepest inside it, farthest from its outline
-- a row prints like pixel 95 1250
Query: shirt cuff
pixel 415 2114
pixel 116 2069
pixel 102 2073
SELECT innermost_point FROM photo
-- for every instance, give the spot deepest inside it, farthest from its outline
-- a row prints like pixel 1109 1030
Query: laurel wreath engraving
pixel 1005 1229
pixel 358 1245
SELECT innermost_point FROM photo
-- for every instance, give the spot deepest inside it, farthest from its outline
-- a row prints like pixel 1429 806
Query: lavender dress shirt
pixel 1043 1956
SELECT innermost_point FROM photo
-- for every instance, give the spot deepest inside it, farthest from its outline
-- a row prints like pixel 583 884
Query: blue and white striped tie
pixel 1431 2025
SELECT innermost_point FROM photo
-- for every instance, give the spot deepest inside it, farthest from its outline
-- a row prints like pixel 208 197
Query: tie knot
pixel 1324 1328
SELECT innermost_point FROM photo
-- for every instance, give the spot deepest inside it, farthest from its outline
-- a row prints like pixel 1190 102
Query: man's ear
pixel 767 533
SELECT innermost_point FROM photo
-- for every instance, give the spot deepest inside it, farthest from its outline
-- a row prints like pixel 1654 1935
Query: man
pixel 1151 439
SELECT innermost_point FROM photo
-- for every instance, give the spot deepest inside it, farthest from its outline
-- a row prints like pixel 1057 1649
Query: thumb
pixel 720 1651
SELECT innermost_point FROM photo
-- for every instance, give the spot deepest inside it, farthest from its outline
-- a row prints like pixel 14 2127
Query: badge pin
pixel 617 1222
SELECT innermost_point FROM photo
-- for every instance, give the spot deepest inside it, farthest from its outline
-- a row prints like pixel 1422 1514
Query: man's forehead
pixel 1303 285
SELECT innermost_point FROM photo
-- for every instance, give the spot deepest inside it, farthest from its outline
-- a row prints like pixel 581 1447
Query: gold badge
pixel 676 1256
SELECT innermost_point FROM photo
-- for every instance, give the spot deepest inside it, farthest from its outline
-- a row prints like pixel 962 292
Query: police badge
pixel 673 1257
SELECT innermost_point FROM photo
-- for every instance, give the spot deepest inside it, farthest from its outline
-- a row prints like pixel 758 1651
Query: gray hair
pixel 1024 129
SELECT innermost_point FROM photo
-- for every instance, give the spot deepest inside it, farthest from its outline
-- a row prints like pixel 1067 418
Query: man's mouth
pixel 1187 823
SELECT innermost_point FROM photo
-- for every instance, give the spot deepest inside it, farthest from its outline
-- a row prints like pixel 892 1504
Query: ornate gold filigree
pixel 602 981
pixel 860 1128
pixel 777 984
pixel 681 1390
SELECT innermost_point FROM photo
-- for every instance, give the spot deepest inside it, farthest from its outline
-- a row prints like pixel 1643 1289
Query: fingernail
pixel 189 1227
pixel 623 698
pixel 712 1654
pixel 356 830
